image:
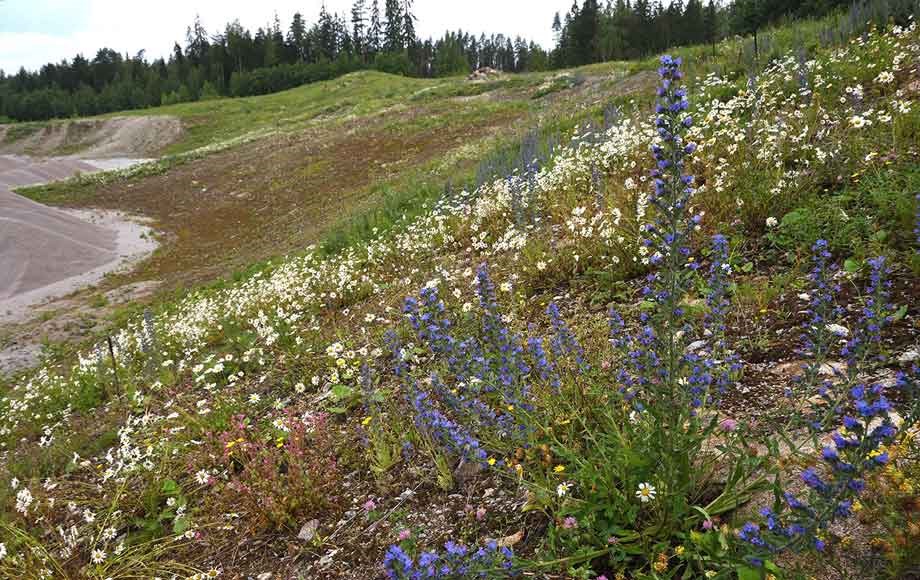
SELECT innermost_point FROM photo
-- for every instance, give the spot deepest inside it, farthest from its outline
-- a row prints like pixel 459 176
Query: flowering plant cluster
pixel 631 455
pixel 455 562
pixel 276 480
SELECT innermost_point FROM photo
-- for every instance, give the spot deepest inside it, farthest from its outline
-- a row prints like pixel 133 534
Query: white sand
pixel 46 252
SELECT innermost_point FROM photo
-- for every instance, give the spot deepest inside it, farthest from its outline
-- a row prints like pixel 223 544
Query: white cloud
pixel 129 26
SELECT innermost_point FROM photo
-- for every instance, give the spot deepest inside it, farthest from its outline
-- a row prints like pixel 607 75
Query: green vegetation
pixel 248 411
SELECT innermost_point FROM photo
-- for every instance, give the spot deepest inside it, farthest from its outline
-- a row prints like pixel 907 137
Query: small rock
pixel 308 531
pixel 264 576
pixel 696 345
pixel 511 540
pixel 327 559
pixel 909 356
pixel 832 368
pixel 838 330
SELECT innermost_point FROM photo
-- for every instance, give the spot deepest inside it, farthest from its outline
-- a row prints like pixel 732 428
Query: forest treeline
pixel 378 35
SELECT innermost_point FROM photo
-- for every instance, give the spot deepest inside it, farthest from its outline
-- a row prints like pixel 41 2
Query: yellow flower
pixel 857 506
pixel 491 461
pixel 511 407
pixel 679 551
pixel 366 421
pixel 559 468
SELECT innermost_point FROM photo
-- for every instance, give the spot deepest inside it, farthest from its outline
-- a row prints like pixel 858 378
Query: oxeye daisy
pixel 563 488
pixel 646 492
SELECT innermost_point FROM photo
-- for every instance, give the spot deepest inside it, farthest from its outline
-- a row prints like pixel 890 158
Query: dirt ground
pixel 134 137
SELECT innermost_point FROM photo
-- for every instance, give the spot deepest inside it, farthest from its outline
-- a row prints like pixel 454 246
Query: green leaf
pixel 338 410
pixel 851 265
pixel 340 392
pixel 748 268
pixel 748 573
pixel 180 525
pixel 169 487
pixel 899 313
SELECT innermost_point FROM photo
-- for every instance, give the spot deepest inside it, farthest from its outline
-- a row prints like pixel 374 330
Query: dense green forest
pixel 374 35
pixel 627 29
pixel 237 62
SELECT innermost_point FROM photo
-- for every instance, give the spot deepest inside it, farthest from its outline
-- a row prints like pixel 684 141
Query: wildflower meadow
pixel 680 343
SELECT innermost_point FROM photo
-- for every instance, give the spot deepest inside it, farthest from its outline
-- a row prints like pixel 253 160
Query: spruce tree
pixel 408 23
pixel 357 27
pixel 711 25
pixel 393 31
pixel 374 31
pixel 297 36
pixel 327 34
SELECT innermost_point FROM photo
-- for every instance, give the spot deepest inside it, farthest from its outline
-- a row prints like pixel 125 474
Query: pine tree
pixel 557 28
pixel 393 32
pixel 357 27
pixel 584 35
pixel 343 37
pixel 327 34
pixel 196 48
pixel 297 36
pixel 408 23
pixel 693 25
pixel 711 25
pixel 374 31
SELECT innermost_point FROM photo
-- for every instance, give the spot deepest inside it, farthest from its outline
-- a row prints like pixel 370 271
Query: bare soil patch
pixel 108 137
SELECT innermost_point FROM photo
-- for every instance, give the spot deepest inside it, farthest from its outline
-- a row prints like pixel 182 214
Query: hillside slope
pixel 245 180
pixel 308 420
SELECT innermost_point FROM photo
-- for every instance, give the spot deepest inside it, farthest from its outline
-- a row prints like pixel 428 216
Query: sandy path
pixel 47 252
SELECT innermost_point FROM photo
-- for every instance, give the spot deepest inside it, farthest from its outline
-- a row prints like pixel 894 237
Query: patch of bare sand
pixel 42 263
pixel 47 252
pixel 141 136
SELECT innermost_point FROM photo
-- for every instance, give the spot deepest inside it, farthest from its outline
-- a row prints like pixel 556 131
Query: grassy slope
pixel 882 188
pixel 358 150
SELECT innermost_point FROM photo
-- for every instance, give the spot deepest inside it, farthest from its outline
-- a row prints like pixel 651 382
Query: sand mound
pixel 47 252
pixel 40 245
pixel 113 137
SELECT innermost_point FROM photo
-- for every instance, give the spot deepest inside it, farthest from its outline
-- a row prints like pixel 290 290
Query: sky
pixel 34 32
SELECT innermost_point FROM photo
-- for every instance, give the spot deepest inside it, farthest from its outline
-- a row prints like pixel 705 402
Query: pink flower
pixel 569 523
pixel 404 535
pixel 601 577
pixel 613 540
pixel 728 425
pixel 707 525
pixel 369 505
pixel 480 513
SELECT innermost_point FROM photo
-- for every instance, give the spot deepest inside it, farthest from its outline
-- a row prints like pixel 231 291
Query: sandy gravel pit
pixel 46 252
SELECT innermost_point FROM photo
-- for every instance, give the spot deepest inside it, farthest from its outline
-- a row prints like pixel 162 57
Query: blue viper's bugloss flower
pixel 455 562
pixel 856 451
